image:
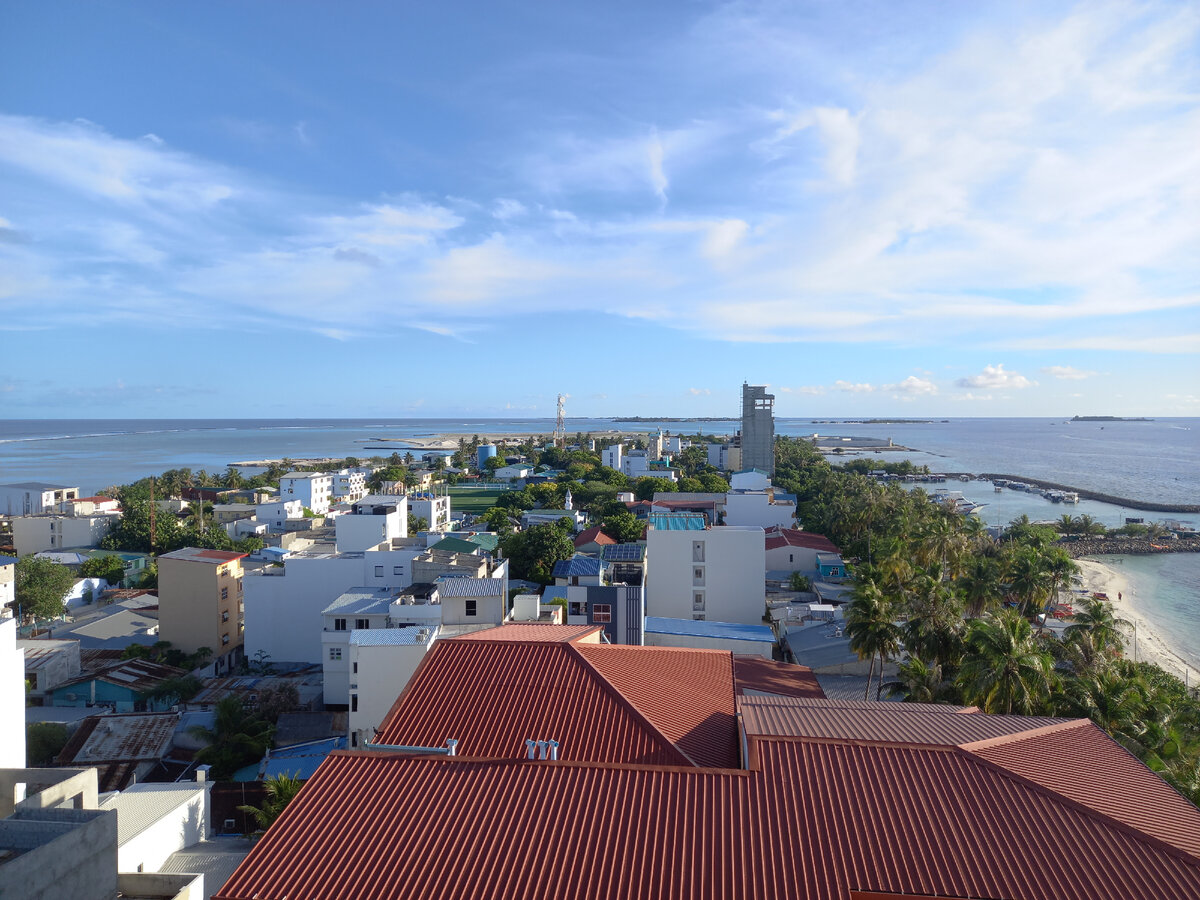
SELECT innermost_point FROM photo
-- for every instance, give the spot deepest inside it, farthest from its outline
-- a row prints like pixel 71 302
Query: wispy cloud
pixel 851 388
pixel 995 377
pixel 1068 373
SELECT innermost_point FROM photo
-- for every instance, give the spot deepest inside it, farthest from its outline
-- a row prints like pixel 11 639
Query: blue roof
pixel 678 521
pixel 300 760
pixel 730 631
pixel 8 560
pixel 554 592
pixel 578 565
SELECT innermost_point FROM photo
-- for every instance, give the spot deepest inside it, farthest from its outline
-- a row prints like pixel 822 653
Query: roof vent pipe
pixel 452 746
pixel 530 749
pixel 541 745
pixel 554 749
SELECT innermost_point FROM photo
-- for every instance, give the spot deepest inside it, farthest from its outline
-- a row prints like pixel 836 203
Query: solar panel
pixel 624 552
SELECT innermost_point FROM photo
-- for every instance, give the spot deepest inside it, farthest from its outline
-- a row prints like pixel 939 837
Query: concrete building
pixel 433 509
pixel 49 663
pixel 618 609
pixel 382 662
pixel 275 513
pixel 758 428
pixel 374 520
pixel 765 508
pixel 474 601
pixel 349 485
pixel 12 694
pixel 431 565
pixel 313 489
pixel 200 603
pixel 359 609
pixel 695 571
pixel 532 517
pixel 611 456
pixel 35 533
pixel 580 569
pixel 791 550
pixel 8 580
pixel 156 820
pixel 32 498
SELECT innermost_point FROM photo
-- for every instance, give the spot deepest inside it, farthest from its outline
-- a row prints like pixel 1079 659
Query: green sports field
pixel 472 500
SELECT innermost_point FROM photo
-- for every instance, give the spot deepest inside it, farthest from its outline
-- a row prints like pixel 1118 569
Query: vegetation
pixel 163 652
pixel 109 567
pixel 238 737
pixel 533 553
pixel 970 612
pixel 41 586
pixel 280 791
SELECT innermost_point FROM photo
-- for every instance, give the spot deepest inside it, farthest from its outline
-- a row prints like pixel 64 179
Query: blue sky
pixel 882 208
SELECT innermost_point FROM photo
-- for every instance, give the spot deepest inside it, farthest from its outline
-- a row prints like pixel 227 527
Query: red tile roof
pixel 602 703
pixel 813 819
pixel 791 537
pixel 593 535
pixel 530 632
pixel 758 675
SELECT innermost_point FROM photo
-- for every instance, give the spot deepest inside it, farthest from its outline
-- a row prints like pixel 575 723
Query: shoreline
pixel 1151 645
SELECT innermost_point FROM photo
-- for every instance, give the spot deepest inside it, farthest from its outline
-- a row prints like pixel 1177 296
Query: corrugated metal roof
pixel 532 632
pixel 792 537
pixel 815 820
pixel 120 738
pixel 363 600
pixel 758 675
pixel 731 631
pixel 141 805
pixel 139 675
pixel 593 535
pixel 449 586
pixel 584 566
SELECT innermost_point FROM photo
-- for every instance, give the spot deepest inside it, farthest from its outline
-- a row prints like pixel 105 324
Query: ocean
pixel 1156 460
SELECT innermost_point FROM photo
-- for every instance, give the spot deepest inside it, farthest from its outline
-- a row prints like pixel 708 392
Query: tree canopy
pixel 41 586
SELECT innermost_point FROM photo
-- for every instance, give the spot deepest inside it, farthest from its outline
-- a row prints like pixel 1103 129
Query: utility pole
pixel 153 509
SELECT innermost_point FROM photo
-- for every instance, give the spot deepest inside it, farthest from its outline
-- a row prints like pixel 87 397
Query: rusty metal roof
pixel 754 674
pixel 812 820
pixel 120 738
pixel 602 703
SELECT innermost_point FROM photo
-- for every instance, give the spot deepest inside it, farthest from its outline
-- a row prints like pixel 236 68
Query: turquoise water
pixel 1167 590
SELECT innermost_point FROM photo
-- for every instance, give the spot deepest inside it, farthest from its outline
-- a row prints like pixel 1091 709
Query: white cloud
pixel 995 377
pixel 912 385
pixel 849 387
pixel 505 208
pixel 1068 373
pixel 697 392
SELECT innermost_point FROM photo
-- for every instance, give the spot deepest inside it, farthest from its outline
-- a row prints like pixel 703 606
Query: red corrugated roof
pixel 755 674
pixel 814 820
pixel 784 537
pixel 593 535
pixel 530 632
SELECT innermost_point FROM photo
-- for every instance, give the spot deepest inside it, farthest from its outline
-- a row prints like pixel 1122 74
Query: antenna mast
pixel 560 424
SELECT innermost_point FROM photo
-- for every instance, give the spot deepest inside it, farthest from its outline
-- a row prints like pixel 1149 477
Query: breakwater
pixel 1146 505
pixel 1128 546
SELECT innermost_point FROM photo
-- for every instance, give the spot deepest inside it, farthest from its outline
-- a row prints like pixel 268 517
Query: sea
pixel 1157 460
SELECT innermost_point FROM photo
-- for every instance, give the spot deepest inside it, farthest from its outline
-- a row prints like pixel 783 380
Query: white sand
pixel 1152 646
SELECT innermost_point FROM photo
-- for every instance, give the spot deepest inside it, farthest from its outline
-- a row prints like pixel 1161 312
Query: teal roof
pixel 456 545
pixel 678 521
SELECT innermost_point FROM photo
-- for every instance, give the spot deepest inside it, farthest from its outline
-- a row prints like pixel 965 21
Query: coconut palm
pixel 935 622
pixel 980 586
pixel 237 737
pixel 918 681
pixel 1005 669
pixel 1096 620
pixel 280 789
pixel 1028 579
pixel 871 627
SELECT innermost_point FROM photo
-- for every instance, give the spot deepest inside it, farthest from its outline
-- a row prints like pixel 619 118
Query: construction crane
pixel 560 423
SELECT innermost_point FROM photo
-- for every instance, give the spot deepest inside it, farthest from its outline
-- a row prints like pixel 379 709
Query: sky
pixel 877 208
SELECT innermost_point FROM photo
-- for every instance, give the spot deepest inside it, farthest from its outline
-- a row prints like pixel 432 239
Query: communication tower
pixel 560 423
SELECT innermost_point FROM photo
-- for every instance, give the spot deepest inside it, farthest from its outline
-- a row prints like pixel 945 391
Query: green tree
pixel 43 742
pixel 132 530
pixel 533 553
pixel 238 737
pixel 41 585
pixel 1005 669
pixel 623 527
pixel 281 789
pixel 174 690
pixel 871 626
pixel 109 567
pixel 417 524
pixel 799 582
pixel 497 519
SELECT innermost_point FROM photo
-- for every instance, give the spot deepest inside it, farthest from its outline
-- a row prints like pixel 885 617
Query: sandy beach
pixel 449 440
pixel 1152 645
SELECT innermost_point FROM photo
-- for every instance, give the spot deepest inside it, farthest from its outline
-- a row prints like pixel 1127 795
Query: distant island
pixel 674 419
pixel 877 421
pixel 1107 419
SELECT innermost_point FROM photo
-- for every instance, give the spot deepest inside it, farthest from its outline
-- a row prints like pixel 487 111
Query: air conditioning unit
pixel 230 825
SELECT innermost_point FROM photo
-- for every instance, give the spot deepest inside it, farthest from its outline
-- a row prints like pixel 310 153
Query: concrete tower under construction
pixel 758 428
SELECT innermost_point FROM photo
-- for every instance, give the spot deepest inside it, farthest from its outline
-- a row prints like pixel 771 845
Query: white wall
pixel 699 642
pixel 383 672
pixel 756 508
pixel 12 695
pixel 314 491
pixel 749 481
pixel 435 510
pixel 355 532
pixel 791 559
pixel 276 513
pixel 32 534
pixel 611 456
pixel 730 578
pixel 182 827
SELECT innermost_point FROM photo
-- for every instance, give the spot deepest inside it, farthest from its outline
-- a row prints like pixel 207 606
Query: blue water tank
pixel 483 454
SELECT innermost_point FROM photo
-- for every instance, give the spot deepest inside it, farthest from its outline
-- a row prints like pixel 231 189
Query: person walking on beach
pixel 1119 597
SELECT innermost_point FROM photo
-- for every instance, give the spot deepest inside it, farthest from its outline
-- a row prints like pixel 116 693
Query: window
pixel 698 600
pixel 791 557
pixel 354 703
pixel 379 571
pixel 335 653
pixel 339 624
pixel 697 576
pixel 354 666
pixel 472 607
pixel 697 551
pixel 362 623
pixel 225 639
pixel 602 613
pixel 577 608
pixel 224 593
pixel 397 570
pixel 225 616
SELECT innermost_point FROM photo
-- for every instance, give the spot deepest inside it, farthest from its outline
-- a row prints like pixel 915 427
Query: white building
pixel 725 457
pixel 8 580
pixel 283 606
pixel 433 509
pixel 12 693
pixel 611 456
pixel 791 550
pixel 33 534
pixel 276 513
pixel 30 498
pixel 509 473
pixel 358 609
pixel 704 573
pixel 156 820
pixel 382 662
pixel 750 480
pixel 474 601
pixel 641 464
pixel 312 489
pixel 349 484
pixel 373 520
pixel 761 508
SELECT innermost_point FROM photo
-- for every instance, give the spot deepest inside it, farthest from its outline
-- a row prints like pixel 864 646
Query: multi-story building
pixel 8 580
pixel 12 692
pixel 374 520
pixel 611 456
pixel 313 489
pixel 618 609
pixel 349 485
pixel 200 603
pixel 433 509
pixel 696 571
pixel 31 498
pixel 758 428
pixel 275 513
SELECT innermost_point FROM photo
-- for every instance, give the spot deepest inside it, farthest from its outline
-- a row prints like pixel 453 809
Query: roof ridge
pixel 1078 805
pixel 611 688
pixel 971 746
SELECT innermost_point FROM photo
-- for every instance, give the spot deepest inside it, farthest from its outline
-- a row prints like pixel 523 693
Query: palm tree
pixel 1097 621
pixel 870 625
pixel 1068 524
pixel 980 585
pixel 237 737
pixel 280 791
pixel 918 681
pixel 934 627
pixel 1028 579
pixel 1114 702
pixel 1005 670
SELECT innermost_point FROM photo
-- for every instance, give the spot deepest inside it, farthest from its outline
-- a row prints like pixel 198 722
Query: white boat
pixel 1070 497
